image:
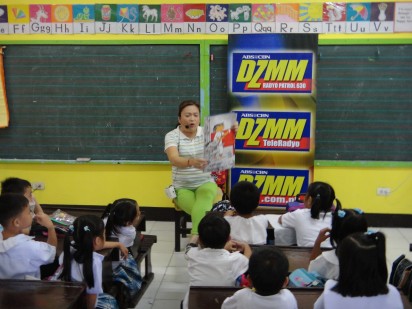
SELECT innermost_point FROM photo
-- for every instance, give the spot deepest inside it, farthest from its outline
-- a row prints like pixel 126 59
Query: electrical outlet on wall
pixel 37 185
pixel 383 191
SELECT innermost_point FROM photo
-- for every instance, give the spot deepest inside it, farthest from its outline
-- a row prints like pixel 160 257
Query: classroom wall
pixel 98 184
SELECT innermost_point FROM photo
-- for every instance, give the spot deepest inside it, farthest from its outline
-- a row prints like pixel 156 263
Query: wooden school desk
pixel 201 297
pixel 33 294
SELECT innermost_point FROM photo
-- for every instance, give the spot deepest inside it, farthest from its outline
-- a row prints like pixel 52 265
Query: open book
pixel 219 142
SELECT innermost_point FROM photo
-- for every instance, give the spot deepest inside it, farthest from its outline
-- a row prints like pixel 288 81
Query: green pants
pixel 196 202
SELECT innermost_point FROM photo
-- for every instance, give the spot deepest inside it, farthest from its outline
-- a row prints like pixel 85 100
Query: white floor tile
pixel 164 235
pixel 161 259
pixel 163 247
pixel 169 304
pixel 178 259
pixel 176 274
pixel 172 290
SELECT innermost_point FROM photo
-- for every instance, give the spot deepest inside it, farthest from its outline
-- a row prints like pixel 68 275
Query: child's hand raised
pixel 43 220
pixel 323 235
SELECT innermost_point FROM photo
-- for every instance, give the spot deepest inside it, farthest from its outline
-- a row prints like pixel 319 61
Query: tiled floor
pixel 171 279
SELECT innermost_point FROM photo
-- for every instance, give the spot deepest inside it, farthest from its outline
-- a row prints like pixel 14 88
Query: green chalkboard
pixel 100 102
pixel 117 102
pixel 364 103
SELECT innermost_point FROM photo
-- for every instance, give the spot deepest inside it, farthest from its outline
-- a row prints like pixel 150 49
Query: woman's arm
pixel 182 162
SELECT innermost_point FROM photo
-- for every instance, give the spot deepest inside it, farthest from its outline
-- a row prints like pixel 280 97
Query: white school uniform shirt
pixel 249 230
pixel 326 265
pixel 126 234
pixel 330 299
pixel 247 298
pixel 214 267
pixel 21 257
pixel 188 177
pixel 77 272
pixel 307 228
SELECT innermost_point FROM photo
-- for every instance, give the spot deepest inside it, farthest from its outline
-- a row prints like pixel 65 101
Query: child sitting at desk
pixel 344 223
pixel 244 225
pixel 23 187
pixel 215 260
pixel 315 216
pixel 268 274
pixel 82 264
pixel 363 275
pixel 120 218
pixel 21 256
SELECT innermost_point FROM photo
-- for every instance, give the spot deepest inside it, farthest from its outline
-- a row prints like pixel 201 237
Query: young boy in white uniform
pixel 244 225
pixel 215 260
pixel 21 256
pixel 268 274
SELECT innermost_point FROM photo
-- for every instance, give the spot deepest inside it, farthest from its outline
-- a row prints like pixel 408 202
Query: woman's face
pixel 189 118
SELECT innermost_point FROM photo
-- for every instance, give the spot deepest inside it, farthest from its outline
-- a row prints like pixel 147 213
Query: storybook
pixel 220 142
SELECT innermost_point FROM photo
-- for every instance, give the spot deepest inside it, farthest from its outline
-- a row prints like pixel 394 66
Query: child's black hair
pixel 268 270
pixel 11 205
pixel 244 197
pixel 14 185
pixel 362 265
pixel 323 196
pixel 214 231
pixel 119 213
pixel 85 229
pixel 346 222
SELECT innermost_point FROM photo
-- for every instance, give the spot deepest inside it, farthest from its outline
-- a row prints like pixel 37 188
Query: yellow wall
pixel 99 184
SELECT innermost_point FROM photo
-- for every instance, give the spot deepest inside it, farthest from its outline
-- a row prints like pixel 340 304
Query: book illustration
pixel 219 142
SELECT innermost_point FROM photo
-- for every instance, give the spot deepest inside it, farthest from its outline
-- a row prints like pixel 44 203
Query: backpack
pixel 401 275
pixel 302 278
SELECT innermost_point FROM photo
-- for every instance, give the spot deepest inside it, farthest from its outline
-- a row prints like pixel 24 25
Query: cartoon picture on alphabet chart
pixel 149 13
pixel 263 13
pixel 358 11
pixel 83 13
pixel 240 13
pixel 334 11
pixel 40 13
pixel 220 142
pixel 310 12
pixel 287 12
pixel 217 12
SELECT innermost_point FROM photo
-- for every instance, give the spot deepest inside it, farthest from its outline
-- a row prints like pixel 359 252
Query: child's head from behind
pixel 362 265
pixel 319 198
pixel 88 236
pixel 15 211
pixel 214 231
pixel 244 197
pixel 346 222
pixel 87 230
pixel 121 212
pixel 18 186
pixel 268 270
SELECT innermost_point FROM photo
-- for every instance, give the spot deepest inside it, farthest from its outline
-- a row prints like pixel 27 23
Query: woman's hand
pixel 198 163
pixel 235 127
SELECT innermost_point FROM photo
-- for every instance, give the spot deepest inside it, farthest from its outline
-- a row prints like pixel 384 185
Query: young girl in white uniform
pixel 363 276
pixel 315 216
pixel 82 264
pixel 120 218
pixel 344 223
